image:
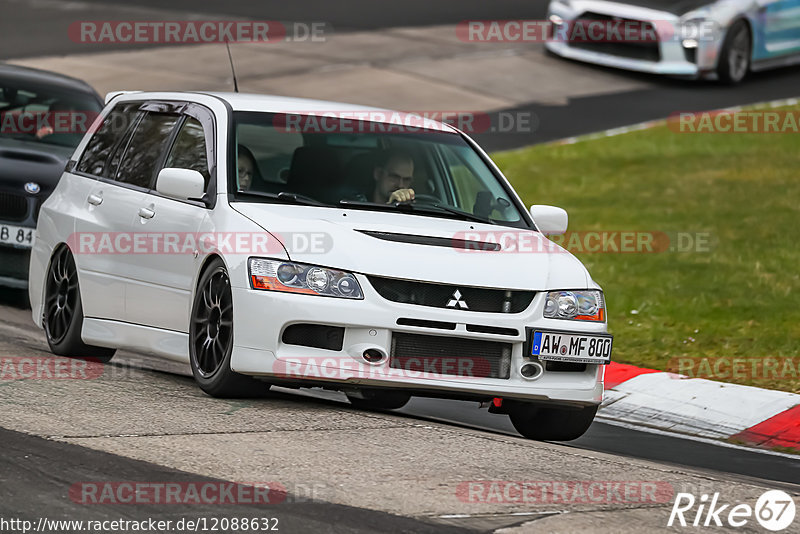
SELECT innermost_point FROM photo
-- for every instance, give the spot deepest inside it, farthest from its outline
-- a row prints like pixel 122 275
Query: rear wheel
pixel 550 423
pixel 379 400
pixel 734 58
pixel 211 338
pixel 63 311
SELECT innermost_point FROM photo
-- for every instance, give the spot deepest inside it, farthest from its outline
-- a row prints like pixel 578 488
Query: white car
pixel 250 237
pixel 714 39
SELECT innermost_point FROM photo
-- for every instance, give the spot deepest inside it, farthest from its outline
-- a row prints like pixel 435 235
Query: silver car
pixel 721 40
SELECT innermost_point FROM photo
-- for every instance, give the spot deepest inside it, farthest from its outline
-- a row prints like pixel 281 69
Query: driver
pixel 393 175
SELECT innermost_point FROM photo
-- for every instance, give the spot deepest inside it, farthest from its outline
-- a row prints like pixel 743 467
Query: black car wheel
pixel 211 338
pixel 550 423
pixel 63 311
pixel 734 58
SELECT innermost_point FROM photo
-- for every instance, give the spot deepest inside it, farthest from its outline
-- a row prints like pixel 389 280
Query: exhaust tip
pixel 373 356
pixel 531 371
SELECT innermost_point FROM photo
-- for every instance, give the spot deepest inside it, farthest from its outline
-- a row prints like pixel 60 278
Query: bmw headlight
pixel 586 305
pixel 291 277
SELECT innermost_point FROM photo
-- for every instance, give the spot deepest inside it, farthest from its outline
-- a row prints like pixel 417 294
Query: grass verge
pixel 733 303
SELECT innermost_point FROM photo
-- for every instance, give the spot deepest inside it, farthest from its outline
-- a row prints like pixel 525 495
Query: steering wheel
pixel 426 199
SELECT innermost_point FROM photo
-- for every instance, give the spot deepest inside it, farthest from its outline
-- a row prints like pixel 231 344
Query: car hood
pixel 676 7
pixel 334 237
pixel 22 162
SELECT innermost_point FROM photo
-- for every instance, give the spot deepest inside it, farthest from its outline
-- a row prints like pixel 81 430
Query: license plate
pixel 18 236
pixel 567 347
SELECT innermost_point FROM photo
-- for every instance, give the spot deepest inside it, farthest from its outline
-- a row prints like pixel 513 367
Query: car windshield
pixel 322 161
pixel 43 114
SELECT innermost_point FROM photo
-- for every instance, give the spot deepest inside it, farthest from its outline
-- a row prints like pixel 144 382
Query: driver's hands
pixel 44 131
pixel 401 195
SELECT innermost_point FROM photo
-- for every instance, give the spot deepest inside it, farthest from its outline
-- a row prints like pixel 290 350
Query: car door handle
pixel 94 200
pixel 146 213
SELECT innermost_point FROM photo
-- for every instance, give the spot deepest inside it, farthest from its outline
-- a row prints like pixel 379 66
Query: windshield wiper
pixel 466 214
pixel 287 197
pixel 416 208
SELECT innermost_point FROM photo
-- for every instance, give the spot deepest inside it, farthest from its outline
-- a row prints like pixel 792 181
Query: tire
pixel 63 311
pixel 211 338
pixel 550 423
pixel 734 57
pixel 380 400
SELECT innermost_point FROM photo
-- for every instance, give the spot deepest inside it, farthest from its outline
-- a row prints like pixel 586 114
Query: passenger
pixel 246 167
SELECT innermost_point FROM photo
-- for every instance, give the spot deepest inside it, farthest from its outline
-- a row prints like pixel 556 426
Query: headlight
pixel 576 305
pixel 291 277
pixel 692 31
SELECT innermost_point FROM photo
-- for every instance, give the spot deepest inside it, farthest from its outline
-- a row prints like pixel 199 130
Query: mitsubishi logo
pixel 457 301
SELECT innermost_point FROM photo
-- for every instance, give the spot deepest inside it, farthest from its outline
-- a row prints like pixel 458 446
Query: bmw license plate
pixel 18 236
pixel 571 347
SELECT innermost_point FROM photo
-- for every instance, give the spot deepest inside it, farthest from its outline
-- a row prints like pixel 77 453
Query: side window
pixel 189 150
pixel 148 143
pixel 107 137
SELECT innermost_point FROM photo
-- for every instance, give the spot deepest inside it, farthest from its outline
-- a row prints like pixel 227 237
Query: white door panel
pixel 107 211
pixel 160 295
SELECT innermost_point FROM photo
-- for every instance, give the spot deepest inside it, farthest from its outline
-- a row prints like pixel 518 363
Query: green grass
pixel 739 300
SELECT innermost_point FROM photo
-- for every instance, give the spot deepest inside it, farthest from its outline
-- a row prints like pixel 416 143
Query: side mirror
pixel 550 219
pixel 182 184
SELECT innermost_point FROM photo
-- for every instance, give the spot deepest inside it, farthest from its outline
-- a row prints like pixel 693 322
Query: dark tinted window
pixel 189 151
pixel 100 147
pixel 37 112
pixel 146 147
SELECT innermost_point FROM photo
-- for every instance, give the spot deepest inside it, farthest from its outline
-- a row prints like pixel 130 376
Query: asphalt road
pixel 38 473
pixel 596 113
pixel 31 29
pixel 40 28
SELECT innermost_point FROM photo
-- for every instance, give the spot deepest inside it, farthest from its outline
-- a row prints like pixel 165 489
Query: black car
pixel 43 117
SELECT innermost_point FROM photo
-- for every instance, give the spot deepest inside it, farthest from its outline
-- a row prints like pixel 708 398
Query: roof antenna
pixel 235 83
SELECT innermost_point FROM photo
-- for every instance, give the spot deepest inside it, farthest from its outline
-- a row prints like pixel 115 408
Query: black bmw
pixel 43 117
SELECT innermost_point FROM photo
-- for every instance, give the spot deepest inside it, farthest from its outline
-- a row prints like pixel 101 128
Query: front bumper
pixel 673 59
pixel 260 318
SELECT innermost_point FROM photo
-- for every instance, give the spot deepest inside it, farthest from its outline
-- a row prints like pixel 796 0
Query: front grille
pixel 643 49
pixel 13 208
pixel 314 335
pixel 436 355
pixel 440 295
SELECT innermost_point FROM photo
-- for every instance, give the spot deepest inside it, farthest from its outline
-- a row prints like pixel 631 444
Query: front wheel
pixel 211 338
pixel 63 311
pixel 550 423
pixel 734 58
